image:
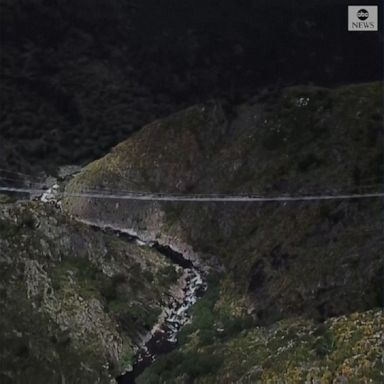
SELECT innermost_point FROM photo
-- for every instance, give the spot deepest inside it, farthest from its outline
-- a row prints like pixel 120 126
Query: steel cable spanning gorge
pixel 150 196
pixel 10 180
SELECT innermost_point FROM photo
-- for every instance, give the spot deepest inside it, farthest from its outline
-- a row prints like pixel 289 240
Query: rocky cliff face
pixel 315 258
pixel 76 301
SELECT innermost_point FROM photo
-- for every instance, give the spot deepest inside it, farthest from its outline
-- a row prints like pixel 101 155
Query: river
pixel 163 338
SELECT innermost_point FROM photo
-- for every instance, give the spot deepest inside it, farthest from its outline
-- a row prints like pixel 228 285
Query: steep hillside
pixel 75 301
pixel 286 277
pixel 318 258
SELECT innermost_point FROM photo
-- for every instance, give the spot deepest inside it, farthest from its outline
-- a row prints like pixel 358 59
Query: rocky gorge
pixel 191 192
pixel 293 290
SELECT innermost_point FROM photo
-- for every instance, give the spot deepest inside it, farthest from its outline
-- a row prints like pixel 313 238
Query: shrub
pixel 200 364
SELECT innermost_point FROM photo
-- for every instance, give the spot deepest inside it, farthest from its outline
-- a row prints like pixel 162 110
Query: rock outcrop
pixel 76 301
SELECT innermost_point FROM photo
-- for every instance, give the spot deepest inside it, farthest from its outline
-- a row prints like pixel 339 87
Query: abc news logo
pixel 363 14
pixel 362 18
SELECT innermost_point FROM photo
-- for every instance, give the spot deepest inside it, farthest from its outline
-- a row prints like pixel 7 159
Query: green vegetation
pixel 196 357
pixel 190 365
pixel 347 348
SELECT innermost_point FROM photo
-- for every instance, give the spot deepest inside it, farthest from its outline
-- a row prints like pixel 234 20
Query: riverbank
pixel 183 295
